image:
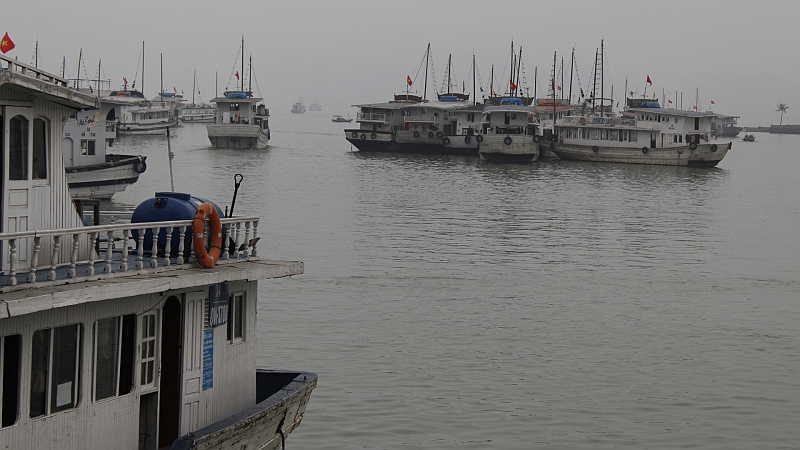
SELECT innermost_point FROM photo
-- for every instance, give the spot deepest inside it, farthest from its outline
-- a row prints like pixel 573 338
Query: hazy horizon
pixel 350 52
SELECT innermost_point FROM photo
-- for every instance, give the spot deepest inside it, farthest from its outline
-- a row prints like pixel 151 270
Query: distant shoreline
pixel 775 129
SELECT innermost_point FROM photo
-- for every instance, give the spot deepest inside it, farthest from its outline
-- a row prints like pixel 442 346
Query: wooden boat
pixel 114 336
pixel 339 119
pixel 749 138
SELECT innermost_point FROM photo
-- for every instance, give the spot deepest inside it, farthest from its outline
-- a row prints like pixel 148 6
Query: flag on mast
pixel 6 44
pixel 649 81
pixel 408 80
pixel 237 74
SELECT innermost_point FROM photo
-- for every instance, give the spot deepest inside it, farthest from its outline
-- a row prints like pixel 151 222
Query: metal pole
pixel 171 156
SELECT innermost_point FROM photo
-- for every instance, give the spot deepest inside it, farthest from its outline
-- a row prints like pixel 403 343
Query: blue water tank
pixel 168 206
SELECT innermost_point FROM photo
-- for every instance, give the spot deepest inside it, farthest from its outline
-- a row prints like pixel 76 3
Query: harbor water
pixel 453 304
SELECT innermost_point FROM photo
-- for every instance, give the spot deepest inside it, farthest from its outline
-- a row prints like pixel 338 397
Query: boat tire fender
pixel 644 149
pixel 430 134
pixel 207 212
pixel 467 138
pixel 439 134
pixel 446 141
pixel 537 139
pixel 354 134
pixel 416 133
pixel 140 166
pixel 713 148
pixel 692 146
pixel 507 140
pixel 612 121
pixel 363 136
pixel 582 121
pixel 373 135
pixel 595 149
pixel 479 138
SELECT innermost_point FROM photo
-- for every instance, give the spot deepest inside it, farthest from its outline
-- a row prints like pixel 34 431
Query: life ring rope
pixel 207 212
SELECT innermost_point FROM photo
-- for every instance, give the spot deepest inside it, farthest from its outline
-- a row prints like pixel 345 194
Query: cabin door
pixel 192 361
pixel 17 166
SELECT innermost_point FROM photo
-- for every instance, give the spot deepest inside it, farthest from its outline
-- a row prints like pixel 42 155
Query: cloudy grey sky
pixel 740 54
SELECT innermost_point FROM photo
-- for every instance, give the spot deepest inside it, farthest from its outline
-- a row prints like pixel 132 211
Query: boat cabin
pixel 86 136
pixel 239 107
pixel 384 117
pixel 509 119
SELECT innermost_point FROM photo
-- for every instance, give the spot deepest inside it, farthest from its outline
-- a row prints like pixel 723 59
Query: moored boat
pixel 242 121
pixel 299 108
pixel 645 134
pixel 132 335
pixel 339 119
pixel 749 138
pixel 93 173
pixel 509 133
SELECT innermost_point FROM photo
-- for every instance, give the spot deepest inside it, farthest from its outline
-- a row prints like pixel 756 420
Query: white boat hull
pixel 102 181
pixel 516 148
pixel 705 155
pixel 237 136
pixel 146 128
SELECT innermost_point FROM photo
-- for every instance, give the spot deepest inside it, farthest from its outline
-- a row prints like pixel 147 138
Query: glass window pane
pixel 39 149
pixel 127 354
pixel 105 376
pixel 9 390
pixel 40 354
pixel 18 148
pixel 64 378
pixel 238 317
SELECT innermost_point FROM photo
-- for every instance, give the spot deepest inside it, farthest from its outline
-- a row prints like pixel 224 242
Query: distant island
pixel 775 129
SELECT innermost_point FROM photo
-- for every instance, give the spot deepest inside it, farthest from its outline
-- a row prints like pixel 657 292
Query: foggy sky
pixel 740 54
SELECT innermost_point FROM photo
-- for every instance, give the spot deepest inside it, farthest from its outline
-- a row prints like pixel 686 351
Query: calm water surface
pixel 449 303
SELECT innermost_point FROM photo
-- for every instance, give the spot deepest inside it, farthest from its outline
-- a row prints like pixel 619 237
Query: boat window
pixel 40 140
pixel 114 340
pixel 234 106
pixel 236 318
pixel 18 148
pixel 54 369
pixel 148 343
pixel 87 147
pixel 10 348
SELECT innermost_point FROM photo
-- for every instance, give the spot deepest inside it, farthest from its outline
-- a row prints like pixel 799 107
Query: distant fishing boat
pixel 299 108
pixel 315 106
pixel 749 138
pixel 338 118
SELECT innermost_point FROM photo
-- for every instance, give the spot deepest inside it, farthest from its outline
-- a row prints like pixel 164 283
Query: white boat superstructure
pixel 202 113
pixel 509 133
pixel 135 115
pixel 113 336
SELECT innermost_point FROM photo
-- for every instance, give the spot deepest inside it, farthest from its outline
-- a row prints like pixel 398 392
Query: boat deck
pixel 105 285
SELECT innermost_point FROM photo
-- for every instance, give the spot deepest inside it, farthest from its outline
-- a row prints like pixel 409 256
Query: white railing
pixel 31 71
pixel 370 117
pixel 110 254
pixel 419 119
pixel 600 121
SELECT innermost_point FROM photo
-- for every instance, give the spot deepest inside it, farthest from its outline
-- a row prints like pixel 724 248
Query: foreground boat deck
pixel 64 292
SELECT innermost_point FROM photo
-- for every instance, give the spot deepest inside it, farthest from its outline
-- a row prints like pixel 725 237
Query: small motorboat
pixel 338 118
pixel 749 138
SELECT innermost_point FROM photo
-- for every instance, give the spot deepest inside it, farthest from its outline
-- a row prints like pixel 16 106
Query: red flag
pixel 513 86
pixel 6 44
pixel 181 91
pixel 125 80
pixel 408 80
pixel 463 86
pixel 670 101
pixel 695 106
pixel 558 87
pixel 174 90
pixel 649 81
pixel 237 74
pixel 712 102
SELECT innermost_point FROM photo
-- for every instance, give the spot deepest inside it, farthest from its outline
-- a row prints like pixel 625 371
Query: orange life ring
pixel 209 258
pixel 612 121
pixel 582 121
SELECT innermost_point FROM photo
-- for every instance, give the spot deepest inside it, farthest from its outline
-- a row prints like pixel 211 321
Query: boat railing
pixel 598 121
pixel 372 117
pixel 419 119
pixel 31 71
pixel 53 257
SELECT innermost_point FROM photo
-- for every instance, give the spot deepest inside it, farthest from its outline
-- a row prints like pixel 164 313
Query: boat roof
pixel 528 109
pixel 236 100
pixel 723 116
pixel 674 112
pixel 32 81
pixel 388 105
pixel 550 108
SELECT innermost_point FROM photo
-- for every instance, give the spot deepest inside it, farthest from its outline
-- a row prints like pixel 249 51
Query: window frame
pixel 235 315
pixel 49 410
pixel 121 359
pixel 10 401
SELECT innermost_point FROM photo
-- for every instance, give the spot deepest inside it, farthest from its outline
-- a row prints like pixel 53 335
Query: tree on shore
pixel 782 107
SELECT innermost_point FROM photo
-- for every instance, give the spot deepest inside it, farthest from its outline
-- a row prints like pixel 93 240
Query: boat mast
pixel 64 67
pixel 594 83
pixel 194 85
pixel 474 69
pixel 37 54
pixel 519 68
pixel 571 69
pixel 553 87
pixel 491 84
pixel 535 81
pixel 427 58
pixel 78 76
pixel 99 65
pixel 250 76
pixel 142 67
pixel 449 81
pixel 602 84
pixel 242 77
pixel 561 94
pixel 510 91
pixel 162 77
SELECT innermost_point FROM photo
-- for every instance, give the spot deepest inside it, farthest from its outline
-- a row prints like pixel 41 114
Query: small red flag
pixel 6 44
pixel 174 89
pixel 712 102
pixel 463 86
pixel 513 86
pixel 650 82
pixel 559 87
pixel 408 80
pixel 237 74
pixel 125 80
pixel 695 106
pixel 670 101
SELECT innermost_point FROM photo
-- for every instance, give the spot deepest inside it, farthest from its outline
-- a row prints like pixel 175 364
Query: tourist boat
pixel 749 138
pixel 314 106
pixel 298 108
pixel 725 126
pixel 134 114
pixel 340 119
pixel 92 172
pixel 644 134
pixel 119 336
pixel 195 112
pixel 509 133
